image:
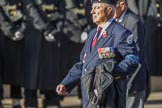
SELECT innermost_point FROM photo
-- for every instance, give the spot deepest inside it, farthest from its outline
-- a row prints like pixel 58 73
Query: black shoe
pixel 23 106
pixel 1 106
pixel 17 106
pixel 53 106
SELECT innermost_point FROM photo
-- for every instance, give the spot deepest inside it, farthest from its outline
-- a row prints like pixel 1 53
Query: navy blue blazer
pixel 133 23
pixel 126 56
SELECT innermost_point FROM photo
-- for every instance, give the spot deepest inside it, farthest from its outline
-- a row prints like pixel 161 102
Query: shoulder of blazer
pixel 117 27
pixel 132 16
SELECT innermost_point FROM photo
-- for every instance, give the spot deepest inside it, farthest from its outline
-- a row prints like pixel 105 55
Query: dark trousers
pixel 16 92
pixel 0 104
pixel 51 98
pixel 30 98
pixel 1 93
pixel 1 96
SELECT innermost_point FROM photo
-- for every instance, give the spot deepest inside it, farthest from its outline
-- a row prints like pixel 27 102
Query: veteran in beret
pixel 109 54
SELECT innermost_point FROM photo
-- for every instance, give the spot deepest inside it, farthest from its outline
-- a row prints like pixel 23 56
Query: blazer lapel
pixel 100 43
pixel 103 40
pixel 89 41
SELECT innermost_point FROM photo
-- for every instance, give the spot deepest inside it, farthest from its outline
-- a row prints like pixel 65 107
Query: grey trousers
pixel 135 100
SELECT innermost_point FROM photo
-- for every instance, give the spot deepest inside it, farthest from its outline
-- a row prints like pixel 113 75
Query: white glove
pixel 18 36
pixel 50 37
pixel 84 36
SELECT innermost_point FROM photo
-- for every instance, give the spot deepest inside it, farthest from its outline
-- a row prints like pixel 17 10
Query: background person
pixel 13 27
pixel 136 90
pixel 42 49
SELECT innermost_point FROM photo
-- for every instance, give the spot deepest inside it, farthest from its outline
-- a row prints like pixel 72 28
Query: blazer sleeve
pixel 127 48
pixel 6 25
pixel 9 27
pixel 74 74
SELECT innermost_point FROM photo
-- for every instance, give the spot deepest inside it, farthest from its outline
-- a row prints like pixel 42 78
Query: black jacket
pixel 97 82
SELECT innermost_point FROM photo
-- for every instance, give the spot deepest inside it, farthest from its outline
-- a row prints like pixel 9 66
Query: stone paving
pixel 154 101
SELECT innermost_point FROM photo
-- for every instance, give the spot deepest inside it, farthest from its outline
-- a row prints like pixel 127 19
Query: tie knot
pixel 99 28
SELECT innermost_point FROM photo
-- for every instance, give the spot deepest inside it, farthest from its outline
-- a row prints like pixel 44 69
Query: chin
pixel 95 20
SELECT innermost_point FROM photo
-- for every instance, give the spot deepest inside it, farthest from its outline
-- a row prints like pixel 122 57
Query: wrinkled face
pixel 100 13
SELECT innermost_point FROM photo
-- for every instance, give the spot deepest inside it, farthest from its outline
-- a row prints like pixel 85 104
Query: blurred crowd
pixel 40 40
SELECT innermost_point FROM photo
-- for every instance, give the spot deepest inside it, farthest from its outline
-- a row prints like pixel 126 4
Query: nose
pixel 92 11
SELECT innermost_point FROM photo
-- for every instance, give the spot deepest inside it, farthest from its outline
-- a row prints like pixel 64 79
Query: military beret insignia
pixel 107 52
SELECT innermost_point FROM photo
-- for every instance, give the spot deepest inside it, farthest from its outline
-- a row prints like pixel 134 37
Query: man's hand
pixel 61 90
pixel 50 35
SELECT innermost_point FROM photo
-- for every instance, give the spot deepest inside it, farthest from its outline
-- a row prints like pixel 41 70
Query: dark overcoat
pixel 75 24
pixel 13 50
pixel 1 58
pixel 42 60
pixel 153 25
pixel 133 23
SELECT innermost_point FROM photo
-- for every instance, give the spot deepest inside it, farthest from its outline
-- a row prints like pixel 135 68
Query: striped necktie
pixel 95 39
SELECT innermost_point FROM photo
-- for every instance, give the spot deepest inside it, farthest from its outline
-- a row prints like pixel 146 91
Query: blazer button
pixel 157 5
pixel 81 4
pixel 158 15
pixel 159 25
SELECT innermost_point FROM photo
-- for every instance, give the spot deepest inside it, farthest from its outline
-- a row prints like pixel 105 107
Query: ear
pixel 122 6
pixel 109 10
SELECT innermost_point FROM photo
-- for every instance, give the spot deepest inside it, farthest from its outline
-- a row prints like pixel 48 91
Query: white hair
pixel 112 6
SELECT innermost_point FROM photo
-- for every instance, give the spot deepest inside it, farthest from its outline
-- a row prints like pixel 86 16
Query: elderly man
pixel 136 90
pixel 108 42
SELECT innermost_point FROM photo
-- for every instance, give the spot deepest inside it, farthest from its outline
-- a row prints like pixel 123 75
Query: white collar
pixel 122 16
pixel 104 26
